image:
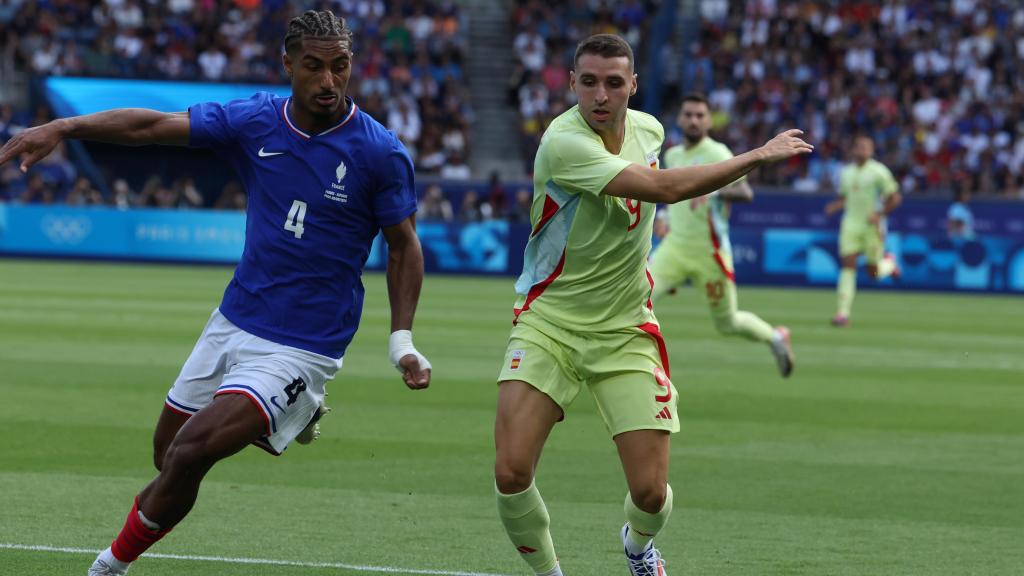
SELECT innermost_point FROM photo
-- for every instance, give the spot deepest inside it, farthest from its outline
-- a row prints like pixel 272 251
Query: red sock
pixel 134 538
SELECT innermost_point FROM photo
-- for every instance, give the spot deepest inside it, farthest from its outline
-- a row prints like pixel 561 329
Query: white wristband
pixel 400 345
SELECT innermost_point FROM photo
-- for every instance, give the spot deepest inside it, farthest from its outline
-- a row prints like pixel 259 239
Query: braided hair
pixel 322 25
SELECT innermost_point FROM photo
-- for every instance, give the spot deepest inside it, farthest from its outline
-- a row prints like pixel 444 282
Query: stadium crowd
pixel 408 75
pixel 939 85
pixel 546 35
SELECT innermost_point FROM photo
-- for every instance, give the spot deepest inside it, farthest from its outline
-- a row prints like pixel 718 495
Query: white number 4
pixel 296 216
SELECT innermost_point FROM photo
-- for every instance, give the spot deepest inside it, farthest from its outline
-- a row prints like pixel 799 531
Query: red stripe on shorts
pixel 655 332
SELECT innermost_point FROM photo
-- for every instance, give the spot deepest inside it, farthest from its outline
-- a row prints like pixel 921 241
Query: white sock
pixel 108 557
pixel 556 571
pixel 636 543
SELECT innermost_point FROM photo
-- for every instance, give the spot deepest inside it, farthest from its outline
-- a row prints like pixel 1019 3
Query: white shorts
pixel 286 384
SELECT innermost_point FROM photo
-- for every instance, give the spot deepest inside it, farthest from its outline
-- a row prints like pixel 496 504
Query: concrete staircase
pixel 495 136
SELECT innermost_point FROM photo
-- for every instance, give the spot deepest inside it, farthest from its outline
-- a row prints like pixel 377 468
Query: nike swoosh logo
pixel 263 154
pixel 273 399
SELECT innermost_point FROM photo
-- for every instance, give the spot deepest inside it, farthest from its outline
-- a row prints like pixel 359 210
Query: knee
pixel 650 498
pixel 725 325
pixel 511 477
pixel 183 458
pixel 160 445
pixel 158 457
pixel 873 271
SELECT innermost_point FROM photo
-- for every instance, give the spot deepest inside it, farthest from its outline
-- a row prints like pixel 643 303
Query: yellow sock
pixel 752 327
pixel 847 289
pixel 527 522
pixel 644 526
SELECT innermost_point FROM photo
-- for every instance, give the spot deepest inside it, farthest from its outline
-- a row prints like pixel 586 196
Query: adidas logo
pixel 664 414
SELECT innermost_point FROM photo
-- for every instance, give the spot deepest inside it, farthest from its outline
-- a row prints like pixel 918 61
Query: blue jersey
pixel 316 202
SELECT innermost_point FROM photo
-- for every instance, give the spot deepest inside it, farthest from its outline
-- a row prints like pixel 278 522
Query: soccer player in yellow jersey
pixel 583 315
pixel 697 246
pixel 867 194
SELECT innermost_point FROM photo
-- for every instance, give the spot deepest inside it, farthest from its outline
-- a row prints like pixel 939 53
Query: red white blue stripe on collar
pixel 351 114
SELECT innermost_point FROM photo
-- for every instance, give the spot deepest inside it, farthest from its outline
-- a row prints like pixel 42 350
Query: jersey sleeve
pixel 844 182
pixel 215 125
pixel 581 164
pixel 396 194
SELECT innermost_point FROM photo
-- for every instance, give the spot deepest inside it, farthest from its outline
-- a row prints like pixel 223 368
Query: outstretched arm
pixel 127 126
pixel 405 278
pixel 677 184
pixel 739 191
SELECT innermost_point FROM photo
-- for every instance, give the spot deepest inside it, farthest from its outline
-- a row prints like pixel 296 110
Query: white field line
pixel 261 561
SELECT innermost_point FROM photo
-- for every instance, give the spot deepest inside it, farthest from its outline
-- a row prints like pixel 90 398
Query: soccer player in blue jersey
pixel 323 179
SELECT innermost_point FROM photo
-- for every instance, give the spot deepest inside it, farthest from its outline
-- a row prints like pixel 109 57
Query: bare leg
pixel 166 429
pixel 644 456
pixel 217 431
pixel 524 421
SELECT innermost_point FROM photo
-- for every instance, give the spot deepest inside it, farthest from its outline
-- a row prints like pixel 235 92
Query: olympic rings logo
pixel 66 230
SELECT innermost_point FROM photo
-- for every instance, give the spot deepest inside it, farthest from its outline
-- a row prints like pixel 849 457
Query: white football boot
pixel 312 430
pixel 101 568
pixel 782 349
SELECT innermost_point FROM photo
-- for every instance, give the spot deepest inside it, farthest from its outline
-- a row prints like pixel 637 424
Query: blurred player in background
pixel 697 247
pixel 868 193
pixel 323 179
pixel 959 219
pixel 583 315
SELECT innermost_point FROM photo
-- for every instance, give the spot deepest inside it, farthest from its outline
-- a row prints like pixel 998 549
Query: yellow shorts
pixel 862 239
pixel 627 372
pixel 710 272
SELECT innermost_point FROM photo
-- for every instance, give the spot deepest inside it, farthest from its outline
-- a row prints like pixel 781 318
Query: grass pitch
pixel 896 448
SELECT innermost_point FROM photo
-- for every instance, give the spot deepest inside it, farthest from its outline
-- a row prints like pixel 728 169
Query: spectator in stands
pixel 434 206
pixel 84 194
pixel 236 41
pixel 529 46
pixel 456 168
pixel 546 34
pixel 496 195
pixel 470 210
pixel 57 173
pixel 156 195
pixel 876 68
pixel 123 196
pixel 804 182
pixel 959 219
pixel 188 196
pixel 232 197
pixel 404 120
pixel 520 211
pixel 38 191
pixel 433 157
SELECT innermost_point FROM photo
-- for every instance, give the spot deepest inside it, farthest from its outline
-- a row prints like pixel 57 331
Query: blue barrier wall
pixel 805 256
pixel 783 241
pixel 140 234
